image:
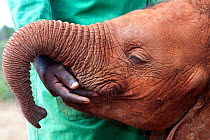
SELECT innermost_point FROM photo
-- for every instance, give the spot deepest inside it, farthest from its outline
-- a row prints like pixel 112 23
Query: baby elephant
pixel 151 67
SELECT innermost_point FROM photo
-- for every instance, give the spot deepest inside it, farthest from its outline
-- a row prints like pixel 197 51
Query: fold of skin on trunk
pixel 56 38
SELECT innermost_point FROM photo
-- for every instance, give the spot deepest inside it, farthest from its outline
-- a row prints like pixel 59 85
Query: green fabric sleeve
pixel 26 11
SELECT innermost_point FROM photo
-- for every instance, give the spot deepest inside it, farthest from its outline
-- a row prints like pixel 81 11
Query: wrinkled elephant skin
pixel 150 67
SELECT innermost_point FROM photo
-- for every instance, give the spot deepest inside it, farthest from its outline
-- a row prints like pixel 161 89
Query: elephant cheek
pixel 130 112
pixel 198 78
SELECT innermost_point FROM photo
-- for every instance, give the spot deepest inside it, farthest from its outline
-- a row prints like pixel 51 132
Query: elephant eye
pixel 138 56
pixel 137 59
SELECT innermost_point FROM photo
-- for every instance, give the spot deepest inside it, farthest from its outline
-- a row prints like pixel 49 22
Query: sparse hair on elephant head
pixel 152 64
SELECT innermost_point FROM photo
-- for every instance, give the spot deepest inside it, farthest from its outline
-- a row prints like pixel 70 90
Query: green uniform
pixel 62 122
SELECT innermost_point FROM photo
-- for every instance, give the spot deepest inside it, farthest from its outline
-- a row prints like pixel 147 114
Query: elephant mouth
pixel 113 90
pixel 110 88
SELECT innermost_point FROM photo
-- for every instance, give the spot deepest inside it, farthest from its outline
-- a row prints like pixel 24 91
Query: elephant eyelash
pixel 137 59
pixel 137 56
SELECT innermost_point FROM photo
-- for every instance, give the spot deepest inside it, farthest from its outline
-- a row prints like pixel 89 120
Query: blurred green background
pixel 5 92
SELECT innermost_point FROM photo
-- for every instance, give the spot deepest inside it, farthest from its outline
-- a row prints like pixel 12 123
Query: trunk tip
pixel 35 116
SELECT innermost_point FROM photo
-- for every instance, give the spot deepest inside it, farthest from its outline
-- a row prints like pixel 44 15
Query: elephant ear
pixel 195 124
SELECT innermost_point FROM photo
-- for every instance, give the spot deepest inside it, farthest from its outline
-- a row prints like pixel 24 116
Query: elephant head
pixel 149 66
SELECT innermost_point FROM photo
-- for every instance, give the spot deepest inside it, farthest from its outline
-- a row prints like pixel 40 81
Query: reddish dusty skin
pixel 149 66
pixel 196 124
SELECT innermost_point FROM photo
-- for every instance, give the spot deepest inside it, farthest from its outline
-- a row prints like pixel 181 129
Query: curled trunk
pixel 60 41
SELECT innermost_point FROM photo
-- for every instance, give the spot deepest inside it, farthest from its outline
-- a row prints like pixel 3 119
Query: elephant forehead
pixel 170 31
